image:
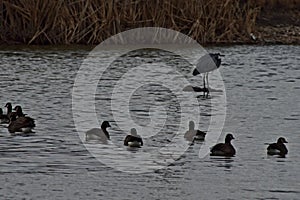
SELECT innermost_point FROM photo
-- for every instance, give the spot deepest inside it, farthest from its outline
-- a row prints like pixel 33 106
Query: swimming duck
pixel 133 140
pixel 278 148
pixel 21 124
pixel 98 134
pixel 194 135
pixel 3 118
pixel 224 149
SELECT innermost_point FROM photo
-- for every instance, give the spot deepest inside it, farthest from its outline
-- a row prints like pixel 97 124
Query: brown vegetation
pixel 91 21
pixel 279 21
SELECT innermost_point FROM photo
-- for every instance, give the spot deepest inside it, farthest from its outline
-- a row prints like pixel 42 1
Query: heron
pixel 206 64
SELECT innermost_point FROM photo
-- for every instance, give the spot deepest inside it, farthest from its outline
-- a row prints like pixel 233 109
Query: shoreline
pixel 279 24
pixel 279 35
pixel 263 35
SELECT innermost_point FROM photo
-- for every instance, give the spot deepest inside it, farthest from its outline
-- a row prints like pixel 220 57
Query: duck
pixel 133 140
pixel 194 135
pixel 224 149
pixel 21 124
pixel 278 148
pixel 4 119
pixel 99 134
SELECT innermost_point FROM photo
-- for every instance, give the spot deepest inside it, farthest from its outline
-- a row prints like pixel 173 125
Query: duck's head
pixel 133 132
pixel 8 105
pixel 191 125
pixel 281 140
pixel 105 125
pixel 228 138
pixel 18 108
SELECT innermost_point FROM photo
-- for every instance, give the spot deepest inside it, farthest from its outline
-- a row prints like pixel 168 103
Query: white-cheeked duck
pixel 133 140
pixel 100 134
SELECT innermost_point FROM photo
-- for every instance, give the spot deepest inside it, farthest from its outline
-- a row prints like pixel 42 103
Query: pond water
pixel 262 103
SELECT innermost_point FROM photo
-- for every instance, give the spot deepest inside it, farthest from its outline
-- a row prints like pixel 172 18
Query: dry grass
pixel 90 21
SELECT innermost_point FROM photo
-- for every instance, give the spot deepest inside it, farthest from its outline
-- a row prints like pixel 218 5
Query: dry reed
pixel 90 21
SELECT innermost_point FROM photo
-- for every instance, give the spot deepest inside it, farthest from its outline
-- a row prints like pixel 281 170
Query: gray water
pixel 262 91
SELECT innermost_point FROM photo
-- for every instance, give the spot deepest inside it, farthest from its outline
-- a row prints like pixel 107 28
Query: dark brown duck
pixel 224 149
pixel 133 140
pixel 21 124
pixel 278 148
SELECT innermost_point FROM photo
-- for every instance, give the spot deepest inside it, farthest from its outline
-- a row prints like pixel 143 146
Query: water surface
pixel 262 89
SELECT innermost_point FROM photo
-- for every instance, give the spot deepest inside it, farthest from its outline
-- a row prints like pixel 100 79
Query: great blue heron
pixel 206 64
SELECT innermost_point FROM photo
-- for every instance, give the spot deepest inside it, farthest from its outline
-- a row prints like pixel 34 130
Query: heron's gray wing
pixel 204 64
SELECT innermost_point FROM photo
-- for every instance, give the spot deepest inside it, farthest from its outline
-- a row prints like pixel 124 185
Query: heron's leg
pixel 204 87
pixel 207 80
pixel 207 85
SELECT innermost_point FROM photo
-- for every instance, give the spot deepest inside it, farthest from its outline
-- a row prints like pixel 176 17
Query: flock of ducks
pixel 221 149
pixel 18 122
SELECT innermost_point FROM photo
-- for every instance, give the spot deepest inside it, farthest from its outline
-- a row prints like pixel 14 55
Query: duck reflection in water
pixel 223 162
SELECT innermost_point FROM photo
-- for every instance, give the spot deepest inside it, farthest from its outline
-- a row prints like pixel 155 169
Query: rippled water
pixel 262 90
